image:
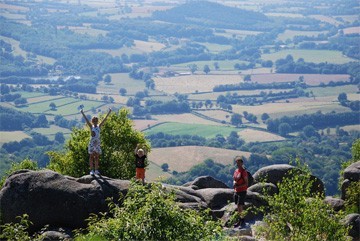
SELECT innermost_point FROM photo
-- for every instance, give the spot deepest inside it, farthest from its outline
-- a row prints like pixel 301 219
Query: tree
pixel 216 66
pixel 284 129
pixel 264 117
pixel 206 69
pixel 107 79
pixel 59 137
pixel 52 106
pixel 122 91
pixel 236 119
pixel 118 140
pixel 193 68
pixel 342 98
pixel 4 89
pixel 247 77
pixel 165 167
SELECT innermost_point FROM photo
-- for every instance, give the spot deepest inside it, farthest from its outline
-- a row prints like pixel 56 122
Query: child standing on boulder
pixel 140 156
pixel 94 148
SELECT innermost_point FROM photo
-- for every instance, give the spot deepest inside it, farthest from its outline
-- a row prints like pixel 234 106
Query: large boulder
pixel 275 174
pixel 264 188
pixel 353 222
pixel 205 182
pixel 216 198
pixel 352 172
pixel 50 198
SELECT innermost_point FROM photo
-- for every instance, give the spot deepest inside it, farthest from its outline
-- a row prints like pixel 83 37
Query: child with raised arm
pixel 94 148
pixel 140 156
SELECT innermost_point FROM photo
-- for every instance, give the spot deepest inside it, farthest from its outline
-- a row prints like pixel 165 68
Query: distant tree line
pixel 12 120
pixel 318 120
pixel 255 85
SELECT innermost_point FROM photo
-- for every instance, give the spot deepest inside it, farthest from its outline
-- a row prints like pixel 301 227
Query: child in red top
pixel 240 186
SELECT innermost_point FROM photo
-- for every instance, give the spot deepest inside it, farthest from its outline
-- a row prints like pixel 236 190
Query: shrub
pixel 118 141
pixel 297 214
pixel 150 213
pixel 25 164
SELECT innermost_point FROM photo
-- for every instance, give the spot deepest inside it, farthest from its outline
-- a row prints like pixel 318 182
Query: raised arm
pixel 136 148
pixel 103 121
pixel 86 119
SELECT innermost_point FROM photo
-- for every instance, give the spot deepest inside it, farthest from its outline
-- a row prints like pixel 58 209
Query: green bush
pixel 25 164
pixel 352 201
pixel 18 231
pixel 150 213
pixel 118 141
pixel 296 214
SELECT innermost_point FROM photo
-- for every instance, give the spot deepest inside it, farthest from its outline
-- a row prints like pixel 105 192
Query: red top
pixel 239 177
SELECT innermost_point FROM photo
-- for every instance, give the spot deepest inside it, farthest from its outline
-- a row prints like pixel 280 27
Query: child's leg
pixel 96 160
pixel 91 161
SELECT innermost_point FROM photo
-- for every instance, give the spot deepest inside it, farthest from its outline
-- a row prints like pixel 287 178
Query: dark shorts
pixel 239 198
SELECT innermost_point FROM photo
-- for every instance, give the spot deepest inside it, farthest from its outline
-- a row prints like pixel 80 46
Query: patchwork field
pixel 7 136
pixel 186 118
pixel 18 51
pixel 290 34
pixel 193 83
pixel 207 131
pixel 352 30
pixel 310 79
pixel 294 107
pixel 188 156
pixel 315 56
pixel 52 130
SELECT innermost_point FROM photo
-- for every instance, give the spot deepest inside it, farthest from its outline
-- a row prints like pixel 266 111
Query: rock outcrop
pixel 50 198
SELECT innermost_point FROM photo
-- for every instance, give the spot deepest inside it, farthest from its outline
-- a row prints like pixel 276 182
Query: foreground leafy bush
pixel 18 231
pixel 150 213
pixel 296 214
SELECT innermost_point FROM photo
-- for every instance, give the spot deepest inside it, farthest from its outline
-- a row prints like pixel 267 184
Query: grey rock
pixel 206 182
pixel 352 172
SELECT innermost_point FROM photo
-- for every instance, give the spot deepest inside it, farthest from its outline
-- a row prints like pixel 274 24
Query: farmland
pixel 159 59
pixel 188 156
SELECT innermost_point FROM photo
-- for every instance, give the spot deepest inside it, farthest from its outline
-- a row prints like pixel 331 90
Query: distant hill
pixel 211 15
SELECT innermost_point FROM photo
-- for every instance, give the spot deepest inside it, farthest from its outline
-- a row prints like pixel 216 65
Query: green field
pixel 18 51
pixel 315 56
pixel 7 136
pixel 290 34
pixel 52 130
pixel 207 131
pixel 224 65
pixel 334 91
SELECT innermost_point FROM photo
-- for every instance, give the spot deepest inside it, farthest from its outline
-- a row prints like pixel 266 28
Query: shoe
pixel 91 172
pixel 240 224
pixel 97 172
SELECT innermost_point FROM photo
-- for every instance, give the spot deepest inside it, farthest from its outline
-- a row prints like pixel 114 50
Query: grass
pixel 298 106
pixel 52 130
pixel 188 156
pixel 207 131
pixel 192 83
pixel 315 56
pixel 121 80
pixel 225 65
pixel 334 91
pixel 18 51
pixel 7 136
pixel 290 34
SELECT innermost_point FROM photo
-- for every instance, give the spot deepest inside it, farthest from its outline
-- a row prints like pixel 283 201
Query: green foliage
pixel 352 200
pixel 18 231
pixel 25 164
pixel 297 214
pixel 150 213
pixel 118 141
